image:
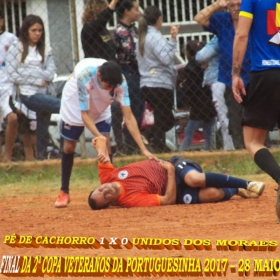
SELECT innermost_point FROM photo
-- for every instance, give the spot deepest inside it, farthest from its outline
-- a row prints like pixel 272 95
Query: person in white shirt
pixel 31 68
pixel 6 90
pixel 86 100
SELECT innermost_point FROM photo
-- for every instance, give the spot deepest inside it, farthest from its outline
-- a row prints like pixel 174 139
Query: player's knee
pixel 194 179
pixel 215 195
pixel 69 146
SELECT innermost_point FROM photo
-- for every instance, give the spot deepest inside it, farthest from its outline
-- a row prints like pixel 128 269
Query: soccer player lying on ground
pixel 159 182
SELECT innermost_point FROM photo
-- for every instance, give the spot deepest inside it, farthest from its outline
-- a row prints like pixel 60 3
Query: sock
pixel 220 181
pixel 228 193
pixel 66 169
pixel 266 162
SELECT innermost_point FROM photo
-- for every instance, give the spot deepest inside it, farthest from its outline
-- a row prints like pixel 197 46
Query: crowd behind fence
pixel 189 112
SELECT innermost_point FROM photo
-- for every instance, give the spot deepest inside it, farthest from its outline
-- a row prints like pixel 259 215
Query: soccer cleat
pixel 278 204
pixel 246 193
pixel 256 187
pixel 62 200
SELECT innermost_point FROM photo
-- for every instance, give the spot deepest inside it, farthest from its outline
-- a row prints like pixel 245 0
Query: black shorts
pixel 262 102
pixel 25 125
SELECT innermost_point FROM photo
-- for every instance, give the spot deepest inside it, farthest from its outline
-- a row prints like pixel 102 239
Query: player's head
pixel 104 196
pixel 110 75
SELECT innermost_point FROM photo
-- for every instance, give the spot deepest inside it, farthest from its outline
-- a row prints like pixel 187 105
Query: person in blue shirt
pixel 258 20
pixel 224 24
pixel 210 54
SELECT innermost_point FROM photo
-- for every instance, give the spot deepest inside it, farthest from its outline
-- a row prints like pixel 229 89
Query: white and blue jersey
pixel 264 33
pixel 83 92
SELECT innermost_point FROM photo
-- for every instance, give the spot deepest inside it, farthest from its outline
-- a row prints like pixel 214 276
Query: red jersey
pixel 142 182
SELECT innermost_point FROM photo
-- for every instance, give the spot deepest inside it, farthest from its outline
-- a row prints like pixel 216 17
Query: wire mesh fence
pixel 177 93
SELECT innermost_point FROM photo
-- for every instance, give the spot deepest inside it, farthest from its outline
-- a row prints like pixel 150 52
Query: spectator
pixel 224 24
pixel 155 56
pixel 125 38
pixel 32 68
pixel 179 181
pixel 261 99
pixel 7 91
pixel 86 97
pixel 96 39
pixel 199 98
pixel 210 53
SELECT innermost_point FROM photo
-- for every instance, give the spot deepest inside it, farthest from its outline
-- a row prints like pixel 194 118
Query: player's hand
pixel 238 88
pixel 43 83
pixel 102 158
pixel 148 155
pixel 166 165
pixel 93 141
pixel 223 3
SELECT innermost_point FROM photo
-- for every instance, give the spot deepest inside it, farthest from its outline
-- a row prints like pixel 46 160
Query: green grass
pixel 17 177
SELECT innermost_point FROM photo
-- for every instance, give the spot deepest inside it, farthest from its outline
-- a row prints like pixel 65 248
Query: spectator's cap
pixel 193 47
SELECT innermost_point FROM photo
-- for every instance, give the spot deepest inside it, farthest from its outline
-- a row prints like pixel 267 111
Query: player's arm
pixel 240 43
pixel 170 194
pixel 89 123
pixel 239 49
pixel 102 152
pixel 132 127
pixel 100 145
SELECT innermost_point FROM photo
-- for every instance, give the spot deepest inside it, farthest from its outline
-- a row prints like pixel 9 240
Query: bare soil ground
pixel 32 213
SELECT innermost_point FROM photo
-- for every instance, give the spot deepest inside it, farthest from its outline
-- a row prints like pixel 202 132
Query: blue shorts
pixel 185 193
pixel 73 132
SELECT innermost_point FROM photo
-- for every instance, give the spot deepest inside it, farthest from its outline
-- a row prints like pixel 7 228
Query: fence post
pixel 76 60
